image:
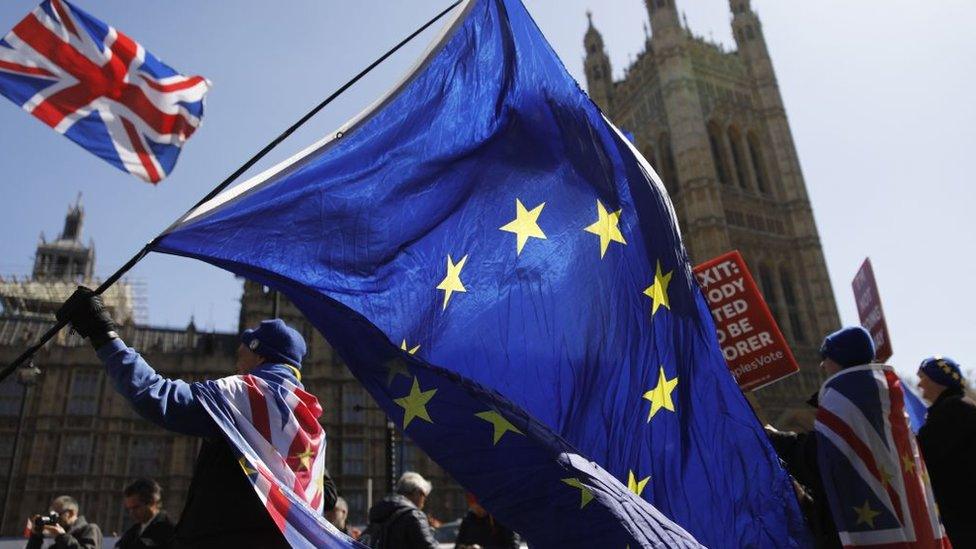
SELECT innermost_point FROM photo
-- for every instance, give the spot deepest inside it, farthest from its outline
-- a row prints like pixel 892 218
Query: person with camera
pixel 153 527
pixel 66 525
pixel 222 508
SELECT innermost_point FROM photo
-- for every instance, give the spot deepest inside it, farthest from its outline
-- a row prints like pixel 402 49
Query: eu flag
pixel 503 272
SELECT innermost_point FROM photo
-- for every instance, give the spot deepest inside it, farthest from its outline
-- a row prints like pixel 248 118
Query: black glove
pixel 86 313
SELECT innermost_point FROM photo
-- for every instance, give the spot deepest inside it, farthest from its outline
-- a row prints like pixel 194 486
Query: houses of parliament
pixel 711 122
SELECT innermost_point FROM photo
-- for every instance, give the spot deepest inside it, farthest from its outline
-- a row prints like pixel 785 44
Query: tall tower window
pixel 757 162
pixel 669 170
pixel 145 456
pixel 714 140
pixel 83 399
pixel 353 404
pixel 353 457
pixel 792 306
pixel 769 293
pixel 735 144
pixel 75 455
pixel 651 158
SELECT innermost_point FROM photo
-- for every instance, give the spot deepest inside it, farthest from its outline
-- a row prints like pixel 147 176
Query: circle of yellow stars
pixel 525 226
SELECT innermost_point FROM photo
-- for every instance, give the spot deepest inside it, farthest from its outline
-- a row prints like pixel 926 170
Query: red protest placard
pixel 755 350
pixel 869 310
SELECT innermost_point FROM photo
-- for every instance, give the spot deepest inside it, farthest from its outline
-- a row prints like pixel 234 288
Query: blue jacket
pixel 221 509
pixel 169 403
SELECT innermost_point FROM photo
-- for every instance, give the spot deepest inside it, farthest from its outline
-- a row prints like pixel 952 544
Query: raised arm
pixel 168 403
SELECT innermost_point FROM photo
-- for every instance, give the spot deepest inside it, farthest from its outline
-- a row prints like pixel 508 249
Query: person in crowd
pixel 828 462
pixel 948 444
pixel 398 519
pixel 152 526
pixel 338 516
pixel 222 508
pixel 480 530
pixel 845 348
pixel 69 531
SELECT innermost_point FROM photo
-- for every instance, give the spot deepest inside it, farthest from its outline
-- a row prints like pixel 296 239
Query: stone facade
pixel 80 437
pixel 713 125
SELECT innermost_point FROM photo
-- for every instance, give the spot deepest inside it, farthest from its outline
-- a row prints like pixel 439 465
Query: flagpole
pixel 53 330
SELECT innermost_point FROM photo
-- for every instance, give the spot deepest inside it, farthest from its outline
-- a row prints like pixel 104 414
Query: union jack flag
pixel 877 486
pixel 273 424
pixel 101 89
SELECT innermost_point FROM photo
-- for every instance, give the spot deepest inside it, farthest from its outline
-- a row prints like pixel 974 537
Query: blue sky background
pixel 879 94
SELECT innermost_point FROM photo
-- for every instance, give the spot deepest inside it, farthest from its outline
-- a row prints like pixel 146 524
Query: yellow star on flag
pixel 452 282
pixel 499 423
pixel 305 458
pixel 658 291
pixel 415 404
pixel 246 467
pixel 908 463
pixel 525 225
pixel 866 515
pixel 412 351
pixel 320 483
pixel 634 485
pixel 660 395
pixel 606 227
pixel 585 494
pixel 886 477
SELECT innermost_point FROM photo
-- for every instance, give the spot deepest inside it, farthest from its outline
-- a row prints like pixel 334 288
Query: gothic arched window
pixel 768 285
pixel 755 153
pixel 652 159
pixel 669 170
pixel 792 305
pixel 715 141
pixel 735 143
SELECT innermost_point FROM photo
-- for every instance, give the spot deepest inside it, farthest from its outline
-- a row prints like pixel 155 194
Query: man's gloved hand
pixel 86 313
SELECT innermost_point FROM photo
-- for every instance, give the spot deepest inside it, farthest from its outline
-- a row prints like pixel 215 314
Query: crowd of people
pixel 397 520
pixel 221 508
pixel 947 442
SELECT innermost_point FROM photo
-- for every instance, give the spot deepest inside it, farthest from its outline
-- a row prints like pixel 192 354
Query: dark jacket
pixel 82 535
pixel 799 453
pixel 948 444
pixel 222 508
pixel 158 533
pixel 486 532
pixel 400 524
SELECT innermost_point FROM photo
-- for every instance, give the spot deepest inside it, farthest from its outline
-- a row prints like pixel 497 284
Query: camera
pixel 50 519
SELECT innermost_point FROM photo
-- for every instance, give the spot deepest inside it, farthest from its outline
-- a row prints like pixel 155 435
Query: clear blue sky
pixel 879 94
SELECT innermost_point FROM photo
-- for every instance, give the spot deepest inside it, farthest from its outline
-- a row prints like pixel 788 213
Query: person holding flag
pixel 257 427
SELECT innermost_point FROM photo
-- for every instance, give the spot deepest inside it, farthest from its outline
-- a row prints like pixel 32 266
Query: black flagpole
pixel 53 330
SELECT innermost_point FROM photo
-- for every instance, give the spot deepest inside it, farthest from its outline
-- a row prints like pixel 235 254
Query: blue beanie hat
pixel 276 341
pixel 851 346
pixel 942 370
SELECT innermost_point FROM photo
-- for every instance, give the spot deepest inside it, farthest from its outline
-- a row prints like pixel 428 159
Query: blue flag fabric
pixel 488 225
pixel 914 407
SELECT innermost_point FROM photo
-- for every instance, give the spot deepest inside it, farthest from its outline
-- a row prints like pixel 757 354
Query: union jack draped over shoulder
pixel 101 89
pixel 877 486
pixel 273 424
